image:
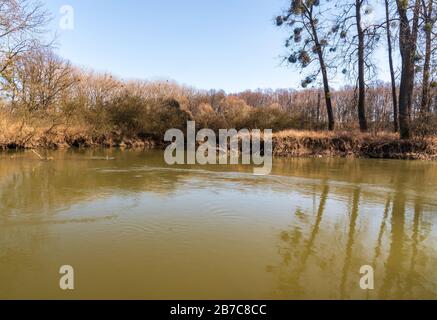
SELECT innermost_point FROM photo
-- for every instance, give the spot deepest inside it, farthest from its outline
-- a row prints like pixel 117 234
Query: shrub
pixel 137 117
pixel 235 112
pixel 128 114
pixel 163 115
pixel 425 125
pixel 273 118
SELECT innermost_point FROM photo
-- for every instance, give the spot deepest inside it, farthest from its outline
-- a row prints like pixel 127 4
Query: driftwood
pixel 107 158
pixel 41 157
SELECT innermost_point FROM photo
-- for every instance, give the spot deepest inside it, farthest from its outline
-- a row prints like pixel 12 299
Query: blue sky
pixel 222 44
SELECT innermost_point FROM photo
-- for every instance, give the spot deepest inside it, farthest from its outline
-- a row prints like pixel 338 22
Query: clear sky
pixel 222 44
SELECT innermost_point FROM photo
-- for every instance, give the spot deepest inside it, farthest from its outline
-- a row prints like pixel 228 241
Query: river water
pixel 134 228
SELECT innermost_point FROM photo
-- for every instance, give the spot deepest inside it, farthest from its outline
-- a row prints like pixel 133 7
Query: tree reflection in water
pixel 403 262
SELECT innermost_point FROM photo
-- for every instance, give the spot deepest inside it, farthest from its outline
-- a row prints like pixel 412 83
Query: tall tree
pixel 305 17
pixel 36 83
pixel 391 65
pixel 22 22
pixel 429 22
pixel 357 39
pixel 361 67
pixel 408 32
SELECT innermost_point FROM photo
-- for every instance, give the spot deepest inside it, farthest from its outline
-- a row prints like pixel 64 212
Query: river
pixel 134 228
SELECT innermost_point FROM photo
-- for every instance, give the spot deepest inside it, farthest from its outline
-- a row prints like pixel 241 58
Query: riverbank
pixel 15 137
pixel 352 145
pixel 289 143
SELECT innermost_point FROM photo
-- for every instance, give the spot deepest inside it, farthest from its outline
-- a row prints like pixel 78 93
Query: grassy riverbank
pixel 289 143
pixel 15 135
pixel 352 144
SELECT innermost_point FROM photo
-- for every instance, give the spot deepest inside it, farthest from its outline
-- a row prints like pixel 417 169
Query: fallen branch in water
pixel 38 155
pixel 41 157
pixel 107 158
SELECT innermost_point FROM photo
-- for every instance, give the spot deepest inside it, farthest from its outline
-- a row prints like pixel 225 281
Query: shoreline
pixel 352 145
pixel 289 143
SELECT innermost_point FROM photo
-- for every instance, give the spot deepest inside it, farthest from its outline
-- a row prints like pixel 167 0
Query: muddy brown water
pixel 135 228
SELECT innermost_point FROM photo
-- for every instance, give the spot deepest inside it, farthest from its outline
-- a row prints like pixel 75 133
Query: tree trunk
pixel 326 89
pixel 425 103
pixel 328 100
pixel 319 99
pixel 392 72
pixel 361 75
pixel 407 45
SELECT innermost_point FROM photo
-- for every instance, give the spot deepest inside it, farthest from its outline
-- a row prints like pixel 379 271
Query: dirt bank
pixel 285 144
pixel 347 144
pixel 66 137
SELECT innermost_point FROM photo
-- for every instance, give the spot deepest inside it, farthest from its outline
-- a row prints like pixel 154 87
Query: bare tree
pixel 306 19
pixel 361 68
pixel 36 83
pixel 22 23
pixel 409 12
pixel 391 65
pixel 429 23
pixel 357 40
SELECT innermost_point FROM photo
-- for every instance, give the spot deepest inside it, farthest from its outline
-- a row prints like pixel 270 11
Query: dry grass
pixel 352 144
pixel 332 134
pixel 15 135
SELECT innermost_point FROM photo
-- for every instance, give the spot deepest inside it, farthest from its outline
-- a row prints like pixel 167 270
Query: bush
pixel 128 114
pixel 163 115
pixel 425 125
pixel 145 118
pixel 235 112
pixel 273 118
pixel 207 118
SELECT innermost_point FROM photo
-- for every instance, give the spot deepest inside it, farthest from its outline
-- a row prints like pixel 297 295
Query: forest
pixel 47 102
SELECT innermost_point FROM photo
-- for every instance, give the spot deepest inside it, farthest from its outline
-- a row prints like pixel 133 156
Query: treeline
pixel 327 37
pixel 41 90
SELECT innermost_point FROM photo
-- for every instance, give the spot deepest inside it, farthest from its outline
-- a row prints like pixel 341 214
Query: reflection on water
pixel 133 227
